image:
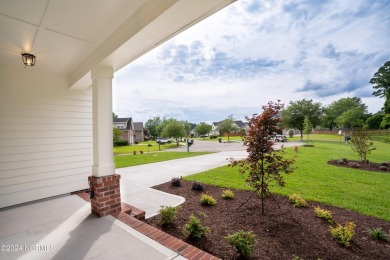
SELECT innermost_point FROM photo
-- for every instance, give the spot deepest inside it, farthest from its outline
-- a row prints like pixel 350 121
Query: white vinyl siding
pixel 46 144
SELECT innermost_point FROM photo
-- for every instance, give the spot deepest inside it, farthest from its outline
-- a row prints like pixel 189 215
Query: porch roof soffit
pixel 72 37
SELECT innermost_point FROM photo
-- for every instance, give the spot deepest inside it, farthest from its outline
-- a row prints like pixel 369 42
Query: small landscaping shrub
pixel 176 182
pixel 150 145
pixel 325 214
pixel 343 161
pixel 343 235
pixel 207 200
pixel 243 241
pixel 193 229
pixel 378 234
pixel 121 143
pixel 141 152
pixel 227 194
pixel 134 152
pixel 298 201
pixel 354 165
pixel 168 214
pixel 213 136
pixel 197 186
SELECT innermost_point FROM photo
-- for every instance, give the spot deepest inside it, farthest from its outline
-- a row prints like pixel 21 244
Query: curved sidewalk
pixel 137 180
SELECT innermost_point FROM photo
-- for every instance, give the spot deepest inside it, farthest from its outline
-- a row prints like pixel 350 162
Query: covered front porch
pixel 56 123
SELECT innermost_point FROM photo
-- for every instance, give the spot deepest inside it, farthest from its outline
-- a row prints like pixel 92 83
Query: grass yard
pixel 138 159
pixel 362 191
pixel 142 147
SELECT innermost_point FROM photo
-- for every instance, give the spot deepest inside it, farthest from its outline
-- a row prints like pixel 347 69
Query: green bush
pixel 168 214
pixel 298 201
pixel 227 194
pixel 207 200
pixel 121 143
pixel 378 234
pixel 213 136
pixel 193 229
pixel 343 235
pixel 325 214
pixel 243 241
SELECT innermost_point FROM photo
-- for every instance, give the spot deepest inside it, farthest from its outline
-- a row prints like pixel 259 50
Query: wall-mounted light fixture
pixel 28 59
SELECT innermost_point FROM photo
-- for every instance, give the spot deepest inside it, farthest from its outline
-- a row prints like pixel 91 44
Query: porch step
pixel 126 208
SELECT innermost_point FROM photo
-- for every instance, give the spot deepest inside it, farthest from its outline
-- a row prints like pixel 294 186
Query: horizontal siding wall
pixel 45 136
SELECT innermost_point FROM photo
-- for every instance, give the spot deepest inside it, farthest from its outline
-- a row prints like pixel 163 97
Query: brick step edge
pixel 179 246
pixel 126 208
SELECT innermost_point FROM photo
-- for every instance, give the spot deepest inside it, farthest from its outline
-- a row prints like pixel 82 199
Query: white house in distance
pixel 56 116
pixel 239 124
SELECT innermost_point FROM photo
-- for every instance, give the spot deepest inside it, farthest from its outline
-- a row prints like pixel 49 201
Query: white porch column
pixel 103 159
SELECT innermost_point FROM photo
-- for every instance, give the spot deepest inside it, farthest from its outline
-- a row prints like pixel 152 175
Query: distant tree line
pixel 344 113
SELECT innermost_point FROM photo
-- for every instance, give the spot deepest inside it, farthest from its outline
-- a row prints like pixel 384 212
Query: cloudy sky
pixel 257 51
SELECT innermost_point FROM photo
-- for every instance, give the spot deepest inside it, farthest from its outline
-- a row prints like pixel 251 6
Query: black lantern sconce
pixel 28 59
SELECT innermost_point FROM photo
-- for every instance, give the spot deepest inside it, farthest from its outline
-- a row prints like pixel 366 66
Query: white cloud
pixel 256 51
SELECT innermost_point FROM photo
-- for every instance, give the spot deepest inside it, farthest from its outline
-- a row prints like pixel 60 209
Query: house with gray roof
pixel 126 125
pixel 241 125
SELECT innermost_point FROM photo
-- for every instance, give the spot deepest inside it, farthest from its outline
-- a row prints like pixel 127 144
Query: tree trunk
pixel 262 193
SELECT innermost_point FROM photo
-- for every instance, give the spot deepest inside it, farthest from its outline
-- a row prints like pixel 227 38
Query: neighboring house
pixel 127 127
pixel 241 125
pixel 139 132
pixel 56 116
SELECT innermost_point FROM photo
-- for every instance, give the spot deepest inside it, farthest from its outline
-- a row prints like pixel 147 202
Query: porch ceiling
pixel 70 37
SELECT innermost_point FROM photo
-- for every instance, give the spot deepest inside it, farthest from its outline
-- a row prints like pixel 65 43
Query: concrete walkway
pixel 137 180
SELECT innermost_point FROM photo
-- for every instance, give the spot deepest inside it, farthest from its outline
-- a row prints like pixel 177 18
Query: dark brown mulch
pixel 370 166
pixel 282 233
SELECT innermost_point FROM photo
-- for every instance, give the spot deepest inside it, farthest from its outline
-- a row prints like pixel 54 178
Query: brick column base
pixel 105 194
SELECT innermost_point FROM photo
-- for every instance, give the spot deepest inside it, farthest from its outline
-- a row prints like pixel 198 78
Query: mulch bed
pixel 370 166
pixel 281 233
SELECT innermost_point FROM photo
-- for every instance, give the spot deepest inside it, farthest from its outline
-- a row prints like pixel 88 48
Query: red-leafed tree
pixel 264 163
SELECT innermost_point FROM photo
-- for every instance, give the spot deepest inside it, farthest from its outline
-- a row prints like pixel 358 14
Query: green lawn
pixel 132 160
pixel 362 191
pixel 142 147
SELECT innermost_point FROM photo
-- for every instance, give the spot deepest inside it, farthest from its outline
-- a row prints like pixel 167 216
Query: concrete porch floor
pixel 65 228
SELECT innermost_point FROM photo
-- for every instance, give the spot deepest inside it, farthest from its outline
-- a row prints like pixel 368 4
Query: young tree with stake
pixel 264 163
